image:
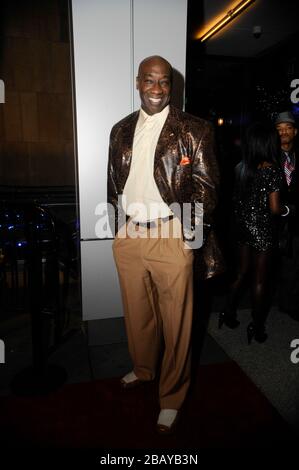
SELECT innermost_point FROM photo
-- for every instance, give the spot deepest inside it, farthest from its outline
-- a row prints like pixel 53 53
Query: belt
pixel 151 223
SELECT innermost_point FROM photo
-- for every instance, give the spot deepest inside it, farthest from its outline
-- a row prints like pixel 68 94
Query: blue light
pixel 295 110
pixel 22 243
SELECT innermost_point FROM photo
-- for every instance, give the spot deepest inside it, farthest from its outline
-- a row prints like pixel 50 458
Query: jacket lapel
pixel 128 133
pixel 126 147
pixel 168 133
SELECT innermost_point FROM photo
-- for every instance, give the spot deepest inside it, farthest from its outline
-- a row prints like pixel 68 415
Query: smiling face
pixel 154 84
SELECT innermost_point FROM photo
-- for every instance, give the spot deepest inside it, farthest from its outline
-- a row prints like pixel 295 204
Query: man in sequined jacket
pixel 161 159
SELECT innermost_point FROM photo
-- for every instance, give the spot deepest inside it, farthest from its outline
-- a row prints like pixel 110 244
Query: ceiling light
pixel 231 14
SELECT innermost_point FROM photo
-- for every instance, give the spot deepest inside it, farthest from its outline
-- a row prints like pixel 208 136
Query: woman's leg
pixel 229 314
pixel 260 299
pixel 260 287
pixel 243 264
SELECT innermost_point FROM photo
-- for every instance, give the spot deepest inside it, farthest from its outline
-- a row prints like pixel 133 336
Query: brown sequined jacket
pixel 185 170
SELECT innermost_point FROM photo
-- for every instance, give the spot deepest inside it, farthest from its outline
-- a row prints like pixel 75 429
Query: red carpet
pixel 224 410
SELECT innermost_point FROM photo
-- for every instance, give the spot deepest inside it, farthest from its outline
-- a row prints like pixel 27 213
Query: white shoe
pixel 167 421
pixel 130 380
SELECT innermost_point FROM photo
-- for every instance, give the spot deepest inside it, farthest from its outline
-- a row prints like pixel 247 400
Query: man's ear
pixel 296 130
pixel 137 83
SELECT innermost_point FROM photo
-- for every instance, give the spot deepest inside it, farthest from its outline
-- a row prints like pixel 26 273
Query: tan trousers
pixel 156 283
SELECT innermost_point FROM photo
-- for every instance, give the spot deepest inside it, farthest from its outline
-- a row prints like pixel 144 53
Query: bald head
pixel 155 59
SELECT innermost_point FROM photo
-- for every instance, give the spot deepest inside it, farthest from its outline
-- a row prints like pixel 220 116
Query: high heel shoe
pixel 250 332
pixel 227 319
pixel 256 332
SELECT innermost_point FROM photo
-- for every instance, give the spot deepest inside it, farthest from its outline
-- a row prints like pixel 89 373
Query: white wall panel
pixel 103 87
pixel 100 293
pixel 160 28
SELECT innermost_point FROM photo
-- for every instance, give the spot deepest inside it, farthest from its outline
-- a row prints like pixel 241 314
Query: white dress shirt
pixel 141 198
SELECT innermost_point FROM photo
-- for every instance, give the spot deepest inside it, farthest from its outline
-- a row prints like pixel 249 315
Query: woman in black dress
pixel 257 206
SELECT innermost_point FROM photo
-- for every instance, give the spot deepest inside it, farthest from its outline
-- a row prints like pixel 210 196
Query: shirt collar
pixel 157 117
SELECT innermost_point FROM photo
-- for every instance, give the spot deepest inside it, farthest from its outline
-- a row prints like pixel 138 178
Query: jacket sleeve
pixel 205 182
pixel 112 192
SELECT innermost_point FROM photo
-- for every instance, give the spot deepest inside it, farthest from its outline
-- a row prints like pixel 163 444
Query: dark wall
pixel 272 75
pixel 36 135
pixel 239 89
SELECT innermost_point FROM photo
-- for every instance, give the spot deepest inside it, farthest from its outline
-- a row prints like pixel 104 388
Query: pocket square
pixel 185 160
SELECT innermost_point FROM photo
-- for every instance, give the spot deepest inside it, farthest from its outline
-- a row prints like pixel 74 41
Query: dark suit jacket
pixel 185 171
pixel 290 195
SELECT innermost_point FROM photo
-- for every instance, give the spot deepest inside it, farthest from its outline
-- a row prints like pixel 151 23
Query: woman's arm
pixel 275 204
